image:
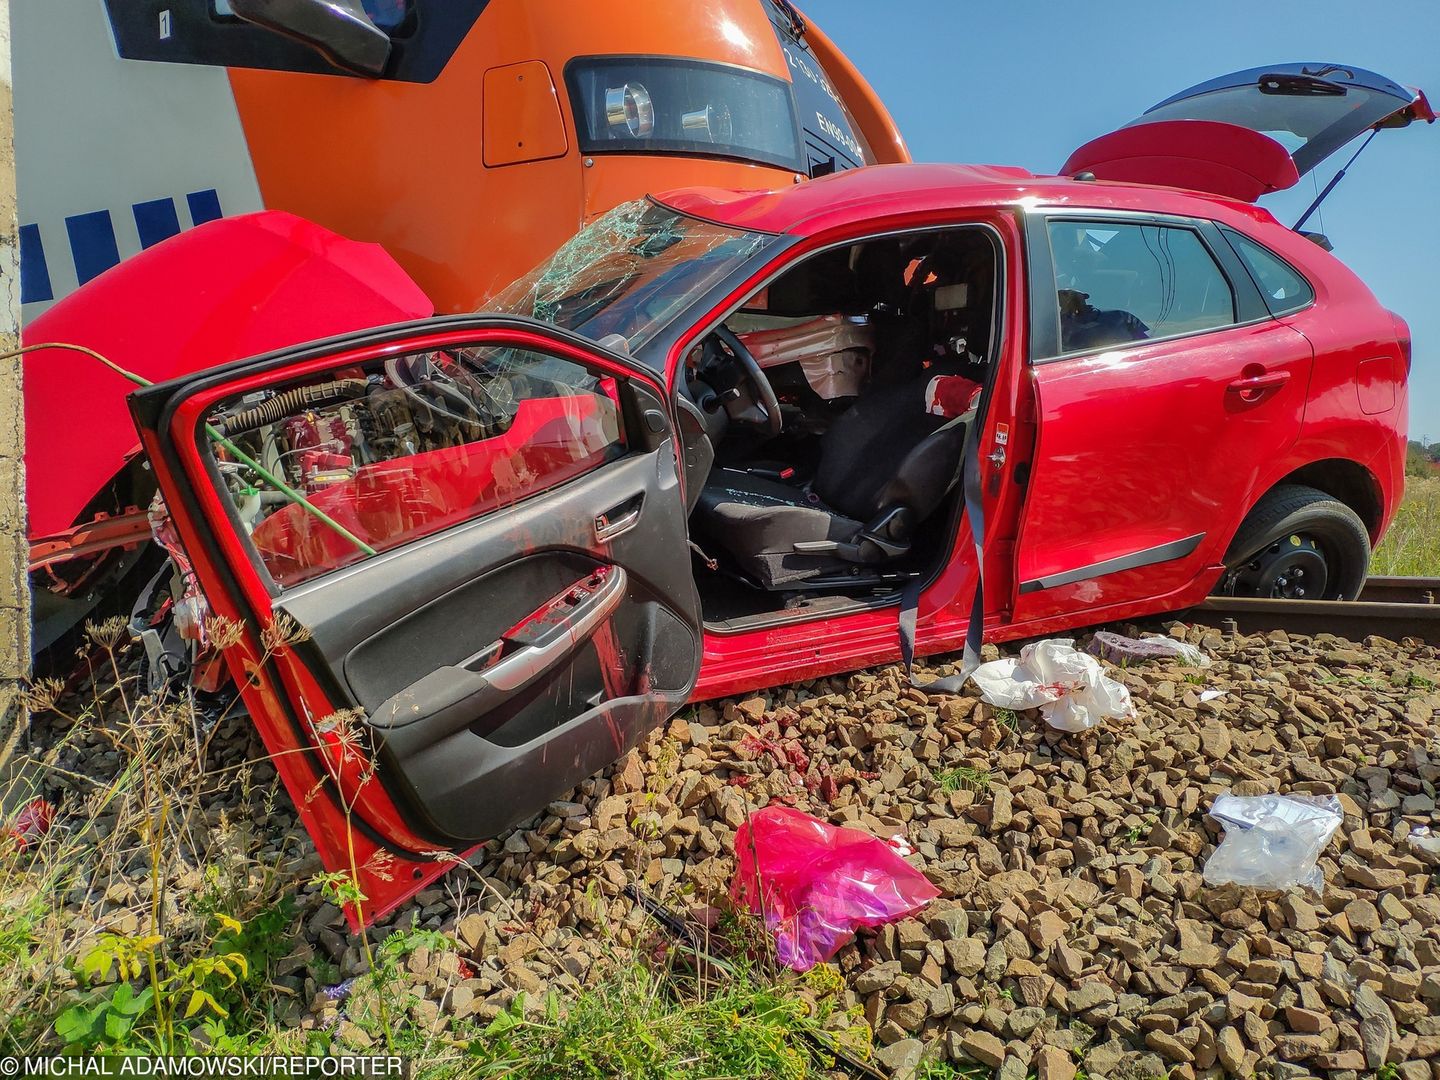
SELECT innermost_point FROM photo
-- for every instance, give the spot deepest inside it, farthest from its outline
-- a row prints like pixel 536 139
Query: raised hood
pixel 1252 132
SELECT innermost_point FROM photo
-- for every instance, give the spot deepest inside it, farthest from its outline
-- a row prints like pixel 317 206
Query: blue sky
pixel 1024 83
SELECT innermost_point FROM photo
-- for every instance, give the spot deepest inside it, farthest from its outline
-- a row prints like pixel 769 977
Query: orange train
pixel 472 137
pixel 469 138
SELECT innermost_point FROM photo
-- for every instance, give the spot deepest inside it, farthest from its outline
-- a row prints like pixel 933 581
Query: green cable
pixel 288 491
pixel 264 474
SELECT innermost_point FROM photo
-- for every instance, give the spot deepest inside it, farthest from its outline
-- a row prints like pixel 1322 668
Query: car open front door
pixel 476 526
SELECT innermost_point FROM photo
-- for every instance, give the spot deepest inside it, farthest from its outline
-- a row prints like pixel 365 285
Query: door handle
pixel 1254 386
pixel 618 519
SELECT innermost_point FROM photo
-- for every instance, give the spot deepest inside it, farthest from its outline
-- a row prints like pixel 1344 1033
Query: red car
pixel 719 440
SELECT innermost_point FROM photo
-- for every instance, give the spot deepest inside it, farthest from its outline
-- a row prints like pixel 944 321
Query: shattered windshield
pixel 629 272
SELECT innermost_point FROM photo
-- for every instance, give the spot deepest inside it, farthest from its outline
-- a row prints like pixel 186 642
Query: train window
pixel 656 105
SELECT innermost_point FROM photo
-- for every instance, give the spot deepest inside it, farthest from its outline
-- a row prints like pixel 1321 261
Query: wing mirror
pixel 340 29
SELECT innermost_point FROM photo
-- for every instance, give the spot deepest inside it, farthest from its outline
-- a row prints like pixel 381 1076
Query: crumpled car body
pixel 475 558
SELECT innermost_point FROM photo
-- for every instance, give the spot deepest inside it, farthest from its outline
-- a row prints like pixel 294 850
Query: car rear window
pixel 360 460
pixel 1285 290
pixel 1121 282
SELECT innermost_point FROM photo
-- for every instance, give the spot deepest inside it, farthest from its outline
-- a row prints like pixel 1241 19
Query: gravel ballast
pixel 1073 930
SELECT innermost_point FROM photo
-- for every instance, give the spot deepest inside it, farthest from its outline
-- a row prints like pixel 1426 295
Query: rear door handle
pixel 1252 387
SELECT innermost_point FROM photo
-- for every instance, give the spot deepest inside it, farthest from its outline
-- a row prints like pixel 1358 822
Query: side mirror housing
pixel 339 29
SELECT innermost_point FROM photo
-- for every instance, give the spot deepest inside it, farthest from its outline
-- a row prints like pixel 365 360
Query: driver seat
pixel 885 465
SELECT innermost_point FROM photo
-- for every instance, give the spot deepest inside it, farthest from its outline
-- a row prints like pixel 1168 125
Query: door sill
pixel 816 607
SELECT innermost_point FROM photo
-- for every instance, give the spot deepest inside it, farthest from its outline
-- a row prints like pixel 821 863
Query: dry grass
pixel 1412 546
pixel 153 915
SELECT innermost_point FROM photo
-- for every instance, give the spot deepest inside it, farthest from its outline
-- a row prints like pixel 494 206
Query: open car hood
pixel 224 290
pixel 1251 132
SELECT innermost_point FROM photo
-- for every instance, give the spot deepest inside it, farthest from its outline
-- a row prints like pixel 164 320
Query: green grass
pixel 646 1023
pixel 1412 546
pixel 965 777
pixel 194 967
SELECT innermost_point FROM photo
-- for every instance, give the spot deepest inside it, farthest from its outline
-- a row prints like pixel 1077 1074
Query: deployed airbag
pixel 833 351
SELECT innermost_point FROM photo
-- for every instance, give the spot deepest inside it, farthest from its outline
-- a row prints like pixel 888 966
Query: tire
pixel 1296 527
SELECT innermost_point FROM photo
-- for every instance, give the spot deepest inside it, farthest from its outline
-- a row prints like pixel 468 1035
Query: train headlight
pixel 708 124
pixel 629 111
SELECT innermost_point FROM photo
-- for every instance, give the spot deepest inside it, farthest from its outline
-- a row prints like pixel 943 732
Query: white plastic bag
pixel 1272 841
pixel 1067 686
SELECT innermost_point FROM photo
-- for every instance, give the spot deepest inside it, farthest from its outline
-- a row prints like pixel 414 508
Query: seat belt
pixel 910 598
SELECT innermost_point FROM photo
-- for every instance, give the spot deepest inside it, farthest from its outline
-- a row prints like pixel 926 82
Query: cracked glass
pixel 629 272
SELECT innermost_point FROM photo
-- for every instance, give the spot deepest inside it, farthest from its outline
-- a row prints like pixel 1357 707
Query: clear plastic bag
pixel 815 884
pixel 1272 841
pixel 1069 687
pixel 1117 648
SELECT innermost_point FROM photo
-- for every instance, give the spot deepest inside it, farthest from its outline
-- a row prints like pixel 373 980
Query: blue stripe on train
pixel 204 206
pixel 34 270
pixel 92 243
pixel 155 221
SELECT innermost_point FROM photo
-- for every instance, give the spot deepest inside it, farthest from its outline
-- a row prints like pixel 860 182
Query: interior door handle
pixel 1251 387
pixel 618 519
pixel 451 697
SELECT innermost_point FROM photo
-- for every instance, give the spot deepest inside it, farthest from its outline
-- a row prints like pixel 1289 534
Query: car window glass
pixel 356 461
pixel 1285 290
pixel 1121 282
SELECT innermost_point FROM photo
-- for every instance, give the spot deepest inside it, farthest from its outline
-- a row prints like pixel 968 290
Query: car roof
pixel 878 191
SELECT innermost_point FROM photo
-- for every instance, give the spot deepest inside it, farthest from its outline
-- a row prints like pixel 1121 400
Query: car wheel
pixel 1298 543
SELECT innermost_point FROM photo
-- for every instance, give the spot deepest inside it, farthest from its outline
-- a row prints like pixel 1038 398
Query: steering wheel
pixel 765 400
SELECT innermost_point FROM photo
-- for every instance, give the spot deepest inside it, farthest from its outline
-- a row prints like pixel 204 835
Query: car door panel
pixel 1145 460
pixel 416 653
pixel 441 686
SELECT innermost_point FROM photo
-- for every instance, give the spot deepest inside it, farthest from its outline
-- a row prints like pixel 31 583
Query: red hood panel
pixel 222 291
pixel 1201 155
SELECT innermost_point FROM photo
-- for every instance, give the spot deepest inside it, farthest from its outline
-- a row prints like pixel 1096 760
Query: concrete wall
pixel 14 590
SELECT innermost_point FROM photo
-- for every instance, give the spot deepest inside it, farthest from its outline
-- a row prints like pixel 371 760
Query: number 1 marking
pixel 165 25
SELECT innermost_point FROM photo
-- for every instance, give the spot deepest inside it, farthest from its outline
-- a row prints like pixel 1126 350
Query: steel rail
pixel 1402 590
pixel 1388 607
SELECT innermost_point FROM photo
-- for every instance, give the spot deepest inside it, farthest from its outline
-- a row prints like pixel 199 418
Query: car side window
pixel 1285 290
pixel 356 461
pixel 1121 282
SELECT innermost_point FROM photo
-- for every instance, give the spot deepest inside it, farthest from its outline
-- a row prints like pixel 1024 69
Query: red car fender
pixel 222 291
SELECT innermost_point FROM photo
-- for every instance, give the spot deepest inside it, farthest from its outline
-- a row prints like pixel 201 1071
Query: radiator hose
pixel 292 400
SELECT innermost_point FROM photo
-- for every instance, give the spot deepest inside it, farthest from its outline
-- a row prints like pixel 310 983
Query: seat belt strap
pixel 910 598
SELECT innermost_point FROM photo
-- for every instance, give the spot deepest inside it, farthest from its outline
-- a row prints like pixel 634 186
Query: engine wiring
pixel 216 436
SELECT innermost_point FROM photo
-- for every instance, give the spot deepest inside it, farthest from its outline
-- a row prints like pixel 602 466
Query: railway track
pixel 1389 607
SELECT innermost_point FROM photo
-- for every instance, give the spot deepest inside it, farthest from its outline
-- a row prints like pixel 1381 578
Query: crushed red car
pixel 720 439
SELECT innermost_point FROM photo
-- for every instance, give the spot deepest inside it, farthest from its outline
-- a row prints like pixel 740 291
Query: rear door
pixel 1165 388
pixel 455 552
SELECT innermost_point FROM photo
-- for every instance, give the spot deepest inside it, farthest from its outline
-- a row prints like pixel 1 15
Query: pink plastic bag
pixel 816 884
